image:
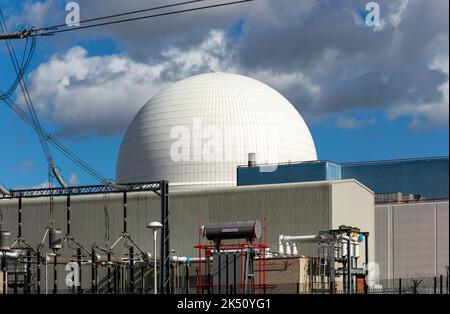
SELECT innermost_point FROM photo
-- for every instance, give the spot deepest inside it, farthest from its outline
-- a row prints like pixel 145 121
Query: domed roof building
pixel 195 132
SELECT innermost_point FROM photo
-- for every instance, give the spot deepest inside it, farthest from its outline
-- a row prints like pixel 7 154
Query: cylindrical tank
pixel 233 230
pixel 5 240
pixel 55 239
pixel 337 251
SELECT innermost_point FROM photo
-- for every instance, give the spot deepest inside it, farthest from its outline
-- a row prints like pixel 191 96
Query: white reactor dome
pixel 196 132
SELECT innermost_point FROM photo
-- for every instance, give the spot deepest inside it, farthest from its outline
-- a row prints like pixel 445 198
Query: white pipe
pixel 178 259
pixel 285 242
pixel 184 259
pixel 303 238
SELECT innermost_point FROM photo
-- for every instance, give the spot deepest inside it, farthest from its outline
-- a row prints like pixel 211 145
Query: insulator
pixel 20 35
pixel 55 239
pixel 5 240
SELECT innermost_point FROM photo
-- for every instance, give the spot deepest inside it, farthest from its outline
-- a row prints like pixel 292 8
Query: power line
pixel 26 59
pixel 145 17
pixel 20 69
pixel 52 30
pixel 123 14
pixel 44 145
pixel 56 143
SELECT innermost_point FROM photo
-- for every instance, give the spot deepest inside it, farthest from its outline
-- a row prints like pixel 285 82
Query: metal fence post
pixel 447 285
pixel 399 285
pixel 435 285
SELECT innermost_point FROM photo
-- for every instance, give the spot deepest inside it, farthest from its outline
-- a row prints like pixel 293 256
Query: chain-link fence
pixel 418 285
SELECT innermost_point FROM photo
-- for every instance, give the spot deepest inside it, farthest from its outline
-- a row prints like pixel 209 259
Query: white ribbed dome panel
pixel 234 114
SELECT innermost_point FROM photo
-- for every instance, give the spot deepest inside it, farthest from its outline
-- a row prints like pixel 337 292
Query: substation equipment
pixel 228 267
pixel 20 257
pixel 338 256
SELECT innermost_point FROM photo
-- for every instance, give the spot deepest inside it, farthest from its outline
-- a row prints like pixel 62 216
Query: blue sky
pixel 344 128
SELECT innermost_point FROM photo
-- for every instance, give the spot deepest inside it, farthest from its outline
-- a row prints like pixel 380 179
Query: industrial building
pixel 423 177
pixel 411 207
pixel 302 208
pixel 198 134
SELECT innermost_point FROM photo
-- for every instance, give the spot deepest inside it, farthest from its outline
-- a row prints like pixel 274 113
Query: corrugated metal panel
pixel 288 209
pixel 442 245
pixel 427 177
pixel 285 173
pixel 383 240
pixel 414 240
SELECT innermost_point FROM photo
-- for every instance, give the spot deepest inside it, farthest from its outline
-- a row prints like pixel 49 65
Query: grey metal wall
pixel 354 208
pixel 412 239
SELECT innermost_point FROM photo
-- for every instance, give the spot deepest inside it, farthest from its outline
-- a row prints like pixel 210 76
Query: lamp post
pixel 155 225
pixel 46 263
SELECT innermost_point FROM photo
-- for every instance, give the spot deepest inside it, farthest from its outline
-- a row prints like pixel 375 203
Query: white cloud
pixel 99 95
pixel 25 166
pixel 395 17
pixel 72 180
pixel 353 123
pixel 391 15
pixel 428 115
pixel 36 13
pixel 42 185
pixel 286 80
pixel 210 55
pixel 312 52
pixel 85 94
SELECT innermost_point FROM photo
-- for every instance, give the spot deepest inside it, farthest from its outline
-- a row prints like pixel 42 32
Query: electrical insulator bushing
pixel 355 245
pixel 55 239
pixel 336 250
pixel 356 250
pixel 344 247
pixel 8 36
pixel 5 240
pixel 233 230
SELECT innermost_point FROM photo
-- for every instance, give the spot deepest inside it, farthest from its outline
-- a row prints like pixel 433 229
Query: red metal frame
pixel 210 247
